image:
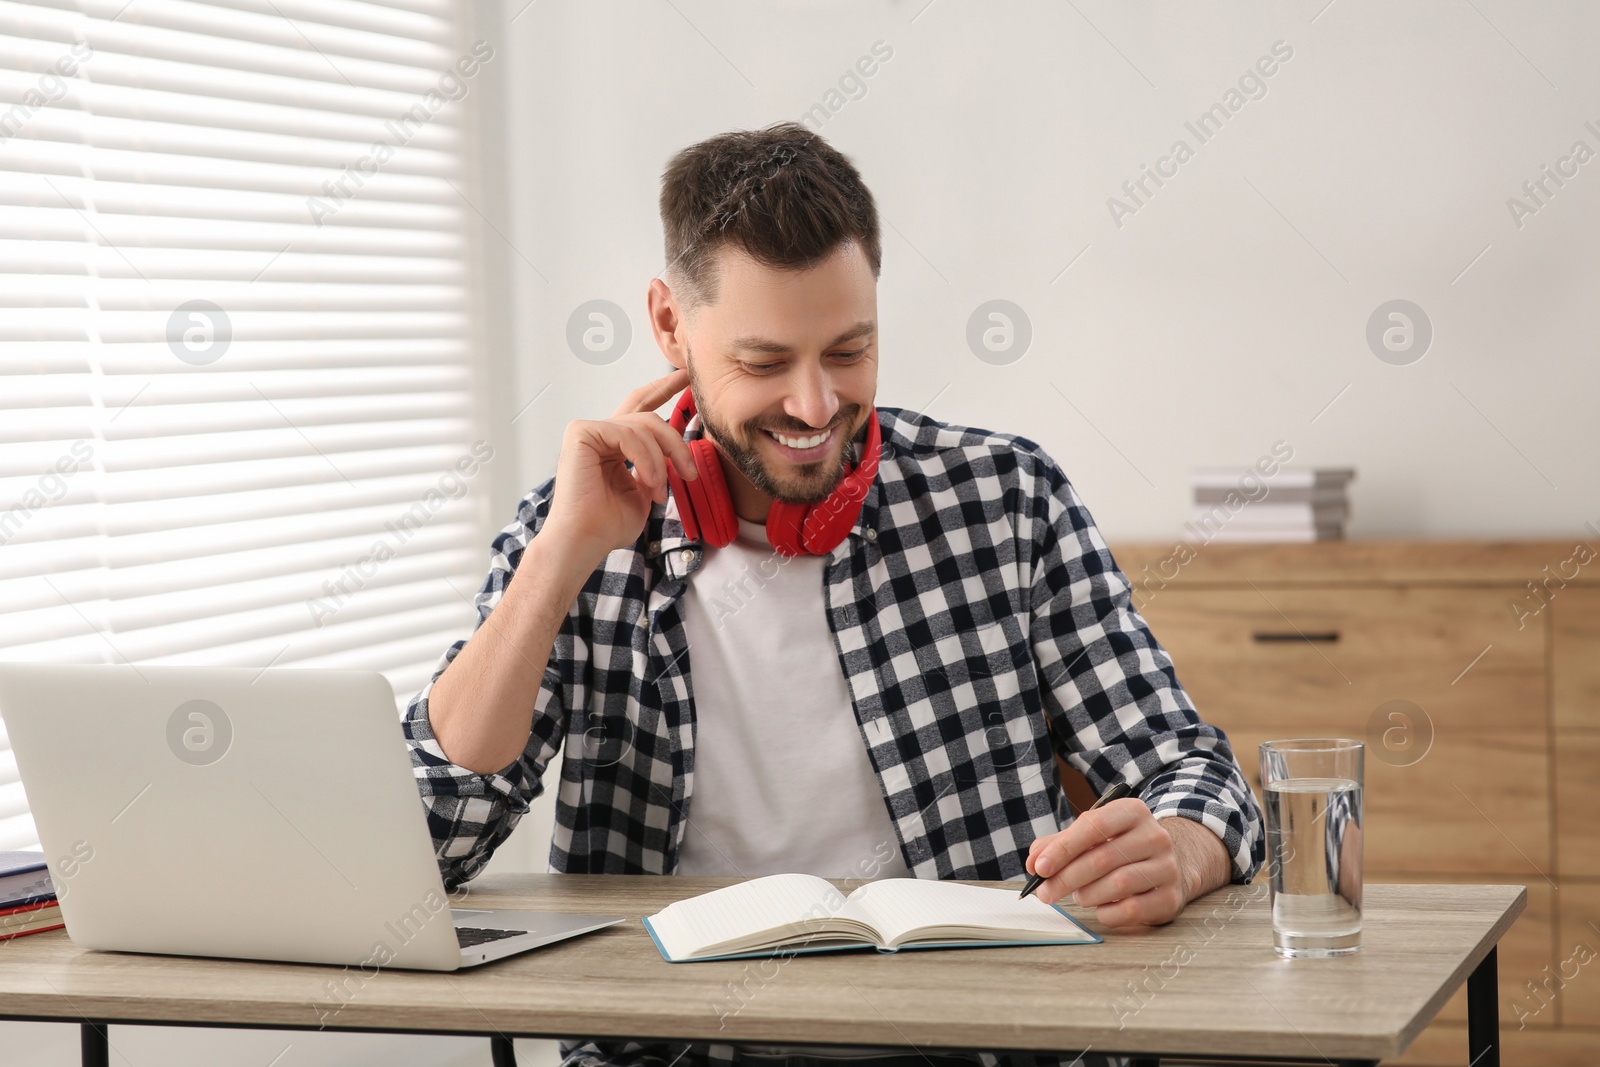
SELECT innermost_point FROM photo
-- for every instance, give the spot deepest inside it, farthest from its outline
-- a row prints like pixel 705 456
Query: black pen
pixel 1116 792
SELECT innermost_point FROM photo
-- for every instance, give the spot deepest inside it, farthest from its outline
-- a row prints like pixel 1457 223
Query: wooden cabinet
pixel 1455 773
pixel 1575 684
pixel 1577 769
pixel 1577 997
pixel 1478 697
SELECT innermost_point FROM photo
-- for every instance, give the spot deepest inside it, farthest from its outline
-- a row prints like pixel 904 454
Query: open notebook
pixel 791 913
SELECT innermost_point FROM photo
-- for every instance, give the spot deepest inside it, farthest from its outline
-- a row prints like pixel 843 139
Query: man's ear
pixel 668 324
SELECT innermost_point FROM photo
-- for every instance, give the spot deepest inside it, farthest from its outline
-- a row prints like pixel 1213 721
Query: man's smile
pixel 803 449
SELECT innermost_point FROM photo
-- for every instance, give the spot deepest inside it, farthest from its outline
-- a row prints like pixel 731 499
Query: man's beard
pixel 816 480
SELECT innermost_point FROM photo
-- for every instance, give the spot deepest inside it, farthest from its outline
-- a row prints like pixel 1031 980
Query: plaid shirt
pixel 982 626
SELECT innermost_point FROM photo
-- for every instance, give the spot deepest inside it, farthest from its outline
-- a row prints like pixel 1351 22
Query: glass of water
pixel 1312 788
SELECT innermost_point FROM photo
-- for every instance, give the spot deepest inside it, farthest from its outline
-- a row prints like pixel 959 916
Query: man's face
pixel 784 368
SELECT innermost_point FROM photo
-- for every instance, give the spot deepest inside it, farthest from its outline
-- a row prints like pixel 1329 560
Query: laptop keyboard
pixel 478 935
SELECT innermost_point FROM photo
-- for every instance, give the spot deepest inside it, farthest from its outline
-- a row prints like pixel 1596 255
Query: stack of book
pixel 27 899
pixel 1232 504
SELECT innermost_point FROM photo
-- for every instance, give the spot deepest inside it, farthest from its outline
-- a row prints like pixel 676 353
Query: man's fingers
pixel 1135 846
pixel 1088 831
pixel 640 447
pixel 1146 909
pixel 642 440
pixel 652 395
pixel 609 439
pixel 667 441
pixel 638 410
pixel 1130 880
pixel 1118 860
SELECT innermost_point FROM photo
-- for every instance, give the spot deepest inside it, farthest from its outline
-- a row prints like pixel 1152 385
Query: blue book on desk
pixel 789 914
pixel 24 879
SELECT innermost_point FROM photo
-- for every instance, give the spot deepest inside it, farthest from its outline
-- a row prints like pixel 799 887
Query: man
pixel 884 700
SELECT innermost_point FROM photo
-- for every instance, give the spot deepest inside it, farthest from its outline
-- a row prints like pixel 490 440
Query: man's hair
pixel 782 194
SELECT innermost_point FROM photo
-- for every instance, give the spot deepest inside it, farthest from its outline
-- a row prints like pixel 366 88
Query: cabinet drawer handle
pixel 1315 635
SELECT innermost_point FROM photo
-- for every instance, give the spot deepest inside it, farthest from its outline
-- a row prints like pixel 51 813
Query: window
pixel 237 420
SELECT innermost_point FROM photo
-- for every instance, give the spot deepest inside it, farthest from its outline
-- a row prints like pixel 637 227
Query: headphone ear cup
pixel 784 522
pixel 822 526
pixel 828 523
pixel 704 506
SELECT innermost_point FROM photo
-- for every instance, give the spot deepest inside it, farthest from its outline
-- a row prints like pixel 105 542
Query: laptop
pixel 264 815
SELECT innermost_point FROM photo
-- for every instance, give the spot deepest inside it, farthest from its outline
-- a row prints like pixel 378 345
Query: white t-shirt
pixel 782 780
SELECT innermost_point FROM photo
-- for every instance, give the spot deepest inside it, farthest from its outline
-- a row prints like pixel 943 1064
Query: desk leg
pixel 1483 1013
pixel 93 1049
pixel 503 1051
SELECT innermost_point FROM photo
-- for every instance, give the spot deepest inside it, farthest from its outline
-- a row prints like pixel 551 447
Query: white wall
pixel 1224 315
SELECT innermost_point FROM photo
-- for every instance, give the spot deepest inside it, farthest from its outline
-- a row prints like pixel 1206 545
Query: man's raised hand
pixel 599 504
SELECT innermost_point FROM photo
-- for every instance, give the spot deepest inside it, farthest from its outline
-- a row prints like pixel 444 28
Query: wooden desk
pixel 1212 985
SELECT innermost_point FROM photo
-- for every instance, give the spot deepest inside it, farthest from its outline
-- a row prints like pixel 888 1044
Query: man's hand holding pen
pixel 1132 868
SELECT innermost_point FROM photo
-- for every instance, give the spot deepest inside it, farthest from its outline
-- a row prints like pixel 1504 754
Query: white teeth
pixel 802 442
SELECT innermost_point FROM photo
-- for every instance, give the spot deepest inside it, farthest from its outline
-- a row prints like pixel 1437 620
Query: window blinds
pixel 236 414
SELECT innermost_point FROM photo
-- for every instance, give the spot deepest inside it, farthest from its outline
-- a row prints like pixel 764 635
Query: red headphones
pixel 706 509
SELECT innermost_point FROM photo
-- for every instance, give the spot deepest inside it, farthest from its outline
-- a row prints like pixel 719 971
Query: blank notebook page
pixel 898 905
pixel 744 909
